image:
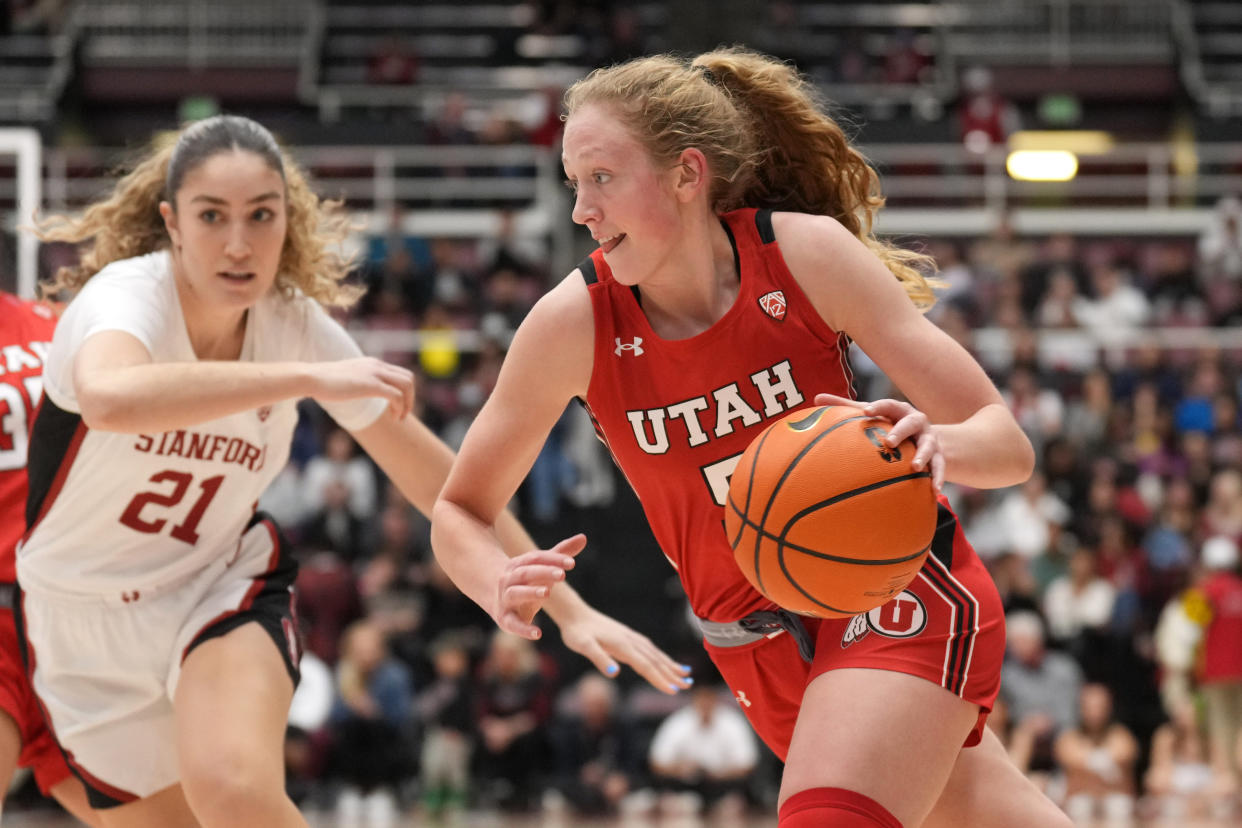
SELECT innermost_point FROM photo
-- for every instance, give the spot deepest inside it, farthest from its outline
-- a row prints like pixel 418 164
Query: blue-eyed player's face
pixel 228 230
pixel 620 194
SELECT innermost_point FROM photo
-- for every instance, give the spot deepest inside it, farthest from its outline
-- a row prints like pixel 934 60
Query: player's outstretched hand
pixel 350 379
pixel 908 422
pixel 527 582
pixel 606 641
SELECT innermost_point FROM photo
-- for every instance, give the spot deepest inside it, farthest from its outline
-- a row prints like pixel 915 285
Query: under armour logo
pixel 130 597
pixel 742 700
pixel 636 346
pixel 264 413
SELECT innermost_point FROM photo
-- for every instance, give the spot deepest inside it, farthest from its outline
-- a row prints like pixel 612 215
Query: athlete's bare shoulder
pixel 558 335
pixel 833 267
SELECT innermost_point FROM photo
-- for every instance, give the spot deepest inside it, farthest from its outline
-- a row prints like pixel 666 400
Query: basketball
pixel 825 519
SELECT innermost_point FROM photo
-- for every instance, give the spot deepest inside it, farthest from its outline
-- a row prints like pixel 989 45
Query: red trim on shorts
pixel 122 797
pixel 248 600
pixel 62 473
pixel 960 647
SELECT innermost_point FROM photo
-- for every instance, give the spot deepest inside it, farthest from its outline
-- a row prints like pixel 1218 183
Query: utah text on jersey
pixel 774 390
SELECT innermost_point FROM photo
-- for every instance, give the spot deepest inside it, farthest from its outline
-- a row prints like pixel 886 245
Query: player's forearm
pixel 988 450
pixel 165 396
pixel 469 553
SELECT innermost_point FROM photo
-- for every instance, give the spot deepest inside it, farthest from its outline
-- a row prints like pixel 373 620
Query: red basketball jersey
pixel 25 335
pixel 677 414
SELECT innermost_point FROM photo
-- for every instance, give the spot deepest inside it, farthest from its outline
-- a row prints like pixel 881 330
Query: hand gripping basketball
pixel 826 515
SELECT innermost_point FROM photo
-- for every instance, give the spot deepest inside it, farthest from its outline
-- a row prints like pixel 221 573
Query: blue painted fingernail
pixel 611 669
pixel 688 680
pixel 686 667
pixel 673 687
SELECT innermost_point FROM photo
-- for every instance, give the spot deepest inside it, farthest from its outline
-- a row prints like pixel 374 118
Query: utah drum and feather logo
pixel 773 304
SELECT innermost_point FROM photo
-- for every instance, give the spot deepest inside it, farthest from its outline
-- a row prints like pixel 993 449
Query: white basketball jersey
pixel 116 512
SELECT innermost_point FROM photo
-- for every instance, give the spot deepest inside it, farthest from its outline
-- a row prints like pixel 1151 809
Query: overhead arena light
pixel 1042 165
pixel 1079 141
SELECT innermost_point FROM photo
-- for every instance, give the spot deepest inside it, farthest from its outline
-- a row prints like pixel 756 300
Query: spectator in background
pixel 547 133
pixel 1115 308
pixel 445 709
pixel 1215 603
pixel 1180 782
pixel 333 525
pixel 341 462
pixel 1194 411
pixel 1087 417
pixel 1057 305
pixel 1174 287
pixel 393 62
pixel 1038 410
pixel 956 273
pixel 306 736
pixel 1220 243
pixel 1029 515
pixel 985 117
pixel 513 698
pixel 448 127
pixel 1000 255
pixel 1222 513
pixel 1078 604
pixel 445 608
pixel 1098 759
pixel 705 749
pixel 1040 687
pixel 1059 252
pixel 596 750
pixel 904 61
pixel 395 546
pixel 327 602
pixel 1226 430
pixel 370 725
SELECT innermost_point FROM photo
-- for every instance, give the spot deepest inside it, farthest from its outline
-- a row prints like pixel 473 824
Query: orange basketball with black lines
pixel 826 519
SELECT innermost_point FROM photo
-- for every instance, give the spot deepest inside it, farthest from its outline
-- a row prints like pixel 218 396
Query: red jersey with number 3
pixel 25 336
pixel 677 414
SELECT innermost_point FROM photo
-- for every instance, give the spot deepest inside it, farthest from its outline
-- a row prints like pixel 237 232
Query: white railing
pixel 1152 177
pixel 196 34
pixel 933 189
pixel 1059 32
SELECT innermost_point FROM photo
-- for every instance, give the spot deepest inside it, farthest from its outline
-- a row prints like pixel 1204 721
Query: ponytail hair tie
pixel 709 76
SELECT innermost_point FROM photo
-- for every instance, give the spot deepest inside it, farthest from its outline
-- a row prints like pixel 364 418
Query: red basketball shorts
pixel 39 750
pixel 948 627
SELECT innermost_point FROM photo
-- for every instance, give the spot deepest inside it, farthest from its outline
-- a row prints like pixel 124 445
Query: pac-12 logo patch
pixel 773 304
pixel 902 617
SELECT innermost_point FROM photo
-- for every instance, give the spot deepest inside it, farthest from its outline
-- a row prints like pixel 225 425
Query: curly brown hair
pixel 766 136
pixel 127 222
